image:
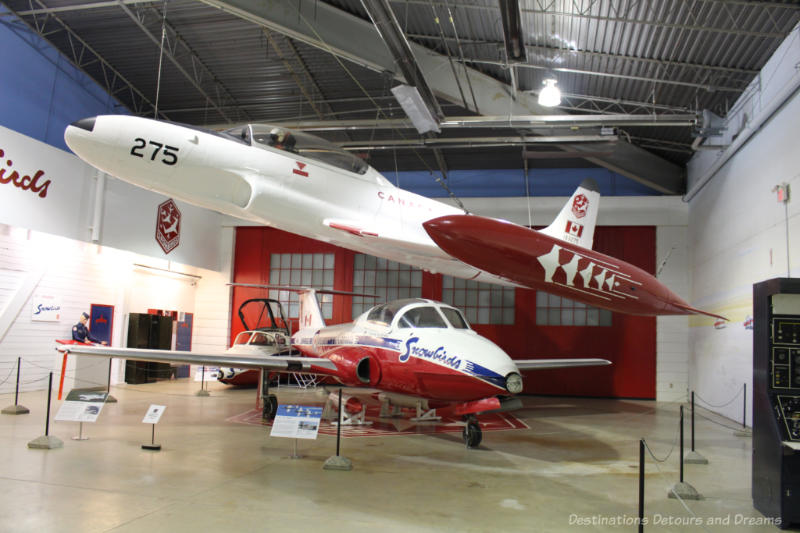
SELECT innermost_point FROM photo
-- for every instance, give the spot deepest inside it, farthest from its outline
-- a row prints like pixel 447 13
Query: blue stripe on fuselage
pixel 470 368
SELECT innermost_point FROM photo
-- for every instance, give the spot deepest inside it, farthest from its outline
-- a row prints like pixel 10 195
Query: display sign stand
pixel 294 452
pixel 152 446
pixel 80 436
pixel 203 391
pixel 296 422
pixel 152 417
pixel 81 406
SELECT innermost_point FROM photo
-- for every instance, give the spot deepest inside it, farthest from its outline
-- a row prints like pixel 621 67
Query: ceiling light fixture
pixel 550 96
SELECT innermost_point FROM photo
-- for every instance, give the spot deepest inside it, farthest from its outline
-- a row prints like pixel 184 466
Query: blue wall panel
pixel 41 92
pixel 511 182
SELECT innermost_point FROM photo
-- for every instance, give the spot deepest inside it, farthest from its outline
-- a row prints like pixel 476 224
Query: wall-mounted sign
pixel 46 308
pixel 102 322
pixel 36 184
pixel 168 226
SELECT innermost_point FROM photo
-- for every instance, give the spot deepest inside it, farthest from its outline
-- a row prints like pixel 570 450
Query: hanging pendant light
pixel 550 96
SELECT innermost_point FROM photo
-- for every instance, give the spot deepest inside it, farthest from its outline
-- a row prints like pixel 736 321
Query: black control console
pixel 776 400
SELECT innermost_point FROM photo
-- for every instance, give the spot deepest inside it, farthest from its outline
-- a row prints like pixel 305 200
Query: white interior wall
pixel 737 231
pixel 672 342
pixel 78 274
pixel 125 214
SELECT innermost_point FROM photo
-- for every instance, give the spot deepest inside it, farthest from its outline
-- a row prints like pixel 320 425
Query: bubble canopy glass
pixel 299 143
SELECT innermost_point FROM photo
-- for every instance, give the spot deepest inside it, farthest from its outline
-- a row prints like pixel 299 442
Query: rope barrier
pixel 697 396
pixel 719 423
pixel 697 520
pixel 11 371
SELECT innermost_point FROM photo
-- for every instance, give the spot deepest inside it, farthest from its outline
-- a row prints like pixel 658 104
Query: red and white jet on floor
pixel 306 185
pixel 410 351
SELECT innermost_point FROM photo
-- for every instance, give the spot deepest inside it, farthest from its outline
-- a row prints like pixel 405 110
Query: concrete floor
pixel 575 469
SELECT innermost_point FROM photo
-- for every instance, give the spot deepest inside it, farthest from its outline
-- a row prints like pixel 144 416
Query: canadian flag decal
pixel 299 170
pixel 574 229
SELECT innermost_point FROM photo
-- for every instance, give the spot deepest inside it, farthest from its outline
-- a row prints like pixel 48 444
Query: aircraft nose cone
pixel 85 123
pixel 443 229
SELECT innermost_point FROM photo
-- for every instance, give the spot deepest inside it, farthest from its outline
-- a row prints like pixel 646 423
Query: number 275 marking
pixel 169 152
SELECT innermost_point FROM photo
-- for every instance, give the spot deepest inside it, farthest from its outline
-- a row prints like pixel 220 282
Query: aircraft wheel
pixel 270 407
pixel 472 434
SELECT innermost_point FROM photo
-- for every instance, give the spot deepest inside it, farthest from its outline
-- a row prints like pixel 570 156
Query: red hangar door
pixel 535 325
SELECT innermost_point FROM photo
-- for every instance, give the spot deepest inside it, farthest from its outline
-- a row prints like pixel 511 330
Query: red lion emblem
pixel 579 206
pixel 168 226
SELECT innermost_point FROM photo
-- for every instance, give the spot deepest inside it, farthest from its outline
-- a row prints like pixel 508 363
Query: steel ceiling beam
pixel 82 55
pixel 746 3
pixel 664 81
pixel 543 10
pixel 513 122
pixel 81 7
pixel 331 29
pixel 272 39
pixel 388 28
pixel 513 35
pixel 550 50
pixel 603 141
pixel 175 49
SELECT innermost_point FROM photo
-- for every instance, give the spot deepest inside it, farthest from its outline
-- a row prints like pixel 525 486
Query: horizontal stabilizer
pixel 300 289
pixel 273 362
pixel 544 364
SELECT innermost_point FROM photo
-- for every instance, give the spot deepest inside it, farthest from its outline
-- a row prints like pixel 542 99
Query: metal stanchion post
pixel 16 409
pixel 641 485
pixel 692 420
pixel 337 462
pixel 694 457
pixel 744 408
pixel 47 441
pixel 745 431
pixel 681 478
pixel 109 398
pixel 681 489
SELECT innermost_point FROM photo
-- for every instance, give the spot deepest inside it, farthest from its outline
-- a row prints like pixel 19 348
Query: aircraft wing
pixel 310 365
pixel 543 364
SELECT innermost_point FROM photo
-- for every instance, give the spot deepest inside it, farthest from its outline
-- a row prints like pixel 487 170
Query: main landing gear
pixel 472 433
pixel 269 401
pixel 270 407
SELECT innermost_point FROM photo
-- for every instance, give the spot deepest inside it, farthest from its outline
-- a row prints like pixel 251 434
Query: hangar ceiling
pixel 636 76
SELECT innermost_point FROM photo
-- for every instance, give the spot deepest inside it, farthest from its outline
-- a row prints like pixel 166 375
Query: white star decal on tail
pixel 550 263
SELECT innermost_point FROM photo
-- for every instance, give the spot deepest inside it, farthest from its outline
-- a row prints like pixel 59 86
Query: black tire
pixel 472 434
pixel 270 407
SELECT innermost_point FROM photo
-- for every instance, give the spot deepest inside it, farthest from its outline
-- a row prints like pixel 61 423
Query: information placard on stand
pixel 82 406
pixel 153 414
pixel 296 422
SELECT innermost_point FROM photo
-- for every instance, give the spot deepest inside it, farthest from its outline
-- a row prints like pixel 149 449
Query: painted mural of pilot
pixel 81 333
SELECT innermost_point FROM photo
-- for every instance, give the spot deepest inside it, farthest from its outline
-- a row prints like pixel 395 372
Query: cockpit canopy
pixel 300 143
pixel 406 314
pixel 259 338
